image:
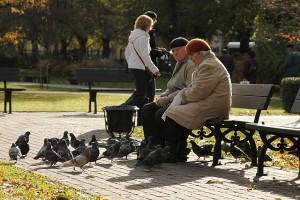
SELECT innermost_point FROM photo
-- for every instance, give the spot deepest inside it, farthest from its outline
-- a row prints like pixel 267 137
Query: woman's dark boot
pixel 172 152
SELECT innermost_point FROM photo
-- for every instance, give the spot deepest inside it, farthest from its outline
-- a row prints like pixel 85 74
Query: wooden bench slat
pixel 274 129
pixel 250 102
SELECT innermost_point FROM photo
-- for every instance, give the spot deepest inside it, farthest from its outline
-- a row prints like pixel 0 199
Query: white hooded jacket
pixel 140 40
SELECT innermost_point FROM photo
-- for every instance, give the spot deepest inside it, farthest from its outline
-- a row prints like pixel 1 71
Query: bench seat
pixel 276 138
pixel 251 96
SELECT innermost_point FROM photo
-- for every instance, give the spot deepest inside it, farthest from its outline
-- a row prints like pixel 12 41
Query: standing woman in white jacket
pixel 137 55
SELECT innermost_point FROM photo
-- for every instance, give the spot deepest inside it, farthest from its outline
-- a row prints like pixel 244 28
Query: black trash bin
pixel 120 119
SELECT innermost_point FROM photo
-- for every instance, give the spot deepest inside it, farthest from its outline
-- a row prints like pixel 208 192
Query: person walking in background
pixel 227 61
pixel 250 68
pixel 208 96
pixel 153 125
pixel 155 53
pixel 137 54
pixel 291 65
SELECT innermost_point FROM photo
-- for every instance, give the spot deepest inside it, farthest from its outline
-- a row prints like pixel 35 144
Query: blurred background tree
pixel 75 33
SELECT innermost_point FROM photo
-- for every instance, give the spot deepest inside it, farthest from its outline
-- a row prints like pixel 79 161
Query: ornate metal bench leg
pixel 253 152
pixel 217 152
pixel 261 159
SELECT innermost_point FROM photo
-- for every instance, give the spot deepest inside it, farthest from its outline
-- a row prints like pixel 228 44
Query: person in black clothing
pixel 227 61
pixel 155 53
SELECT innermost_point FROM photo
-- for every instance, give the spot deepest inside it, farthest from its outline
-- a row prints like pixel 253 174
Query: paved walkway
pixel 191 180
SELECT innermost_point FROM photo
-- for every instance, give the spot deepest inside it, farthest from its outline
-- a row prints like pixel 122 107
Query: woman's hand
pixel 157 74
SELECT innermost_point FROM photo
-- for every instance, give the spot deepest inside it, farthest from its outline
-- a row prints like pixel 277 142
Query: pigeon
pixel 164 155
pixel 245 146
pixel 80 148
pixel 14 152
pixel 236 152
pixel 115 152
pixel 125 149
pixel 139 150
pixel 74 141
pixel 80 160
pixel 25 137
pixel 145 150
pixel 94 152
pixel 23 146
pixel 53 141
pixel 111 152
pixel 93 139
pixel 66 137
pixel 267 157
pixel 202 151
pixel 63 151
pixel 225 147
pixel 40 153
pixel 151 159
pixel 51 156
pixel 56 146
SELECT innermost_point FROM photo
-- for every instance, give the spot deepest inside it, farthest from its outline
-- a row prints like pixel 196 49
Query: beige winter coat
pixel 208 96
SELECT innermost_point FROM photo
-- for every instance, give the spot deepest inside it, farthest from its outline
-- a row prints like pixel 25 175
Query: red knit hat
pixel 196 45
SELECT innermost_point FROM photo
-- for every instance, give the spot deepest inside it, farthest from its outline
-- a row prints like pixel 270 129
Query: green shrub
pixel 289 89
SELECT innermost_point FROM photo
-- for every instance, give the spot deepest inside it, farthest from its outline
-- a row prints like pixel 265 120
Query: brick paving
pixel 191 180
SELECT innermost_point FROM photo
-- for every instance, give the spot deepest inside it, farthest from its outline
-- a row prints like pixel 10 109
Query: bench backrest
pixel 252 96
pixel 9 74
pixel 102 75
pixel 296 105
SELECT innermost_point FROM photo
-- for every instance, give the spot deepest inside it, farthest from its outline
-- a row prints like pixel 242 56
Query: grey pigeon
pixel 80 160
pixel 80 148
pixel 202 151
pixel 14 152
pixel 267 157
pixel 236 152
pixel 225 147
pixel 56 146
pixel 125 149
pixel 139 150
pixel 24 137
pixel 93 139
pixel 115 152
pixel 51 156
pixel 111 152
pixel 40 153
pixel 95 152
pixel 63 151
pixel 245 146
pixel 149 147
pixel 151 159
pixel 23 146
pixel 66 137
pixel 164 154
pixel 74 141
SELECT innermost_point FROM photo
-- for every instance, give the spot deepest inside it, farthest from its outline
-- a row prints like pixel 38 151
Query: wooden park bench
pixel 9 74
pixel 246 96
pixel 91 75
pixel 277 138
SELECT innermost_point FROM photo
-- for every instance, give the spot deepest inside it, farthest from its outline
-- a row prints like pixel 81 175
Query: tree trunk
pixel 106 49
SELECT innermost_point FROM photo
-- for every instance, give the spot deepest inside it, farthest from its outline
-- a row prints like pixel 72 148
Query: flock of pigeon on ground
pixel 56 150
